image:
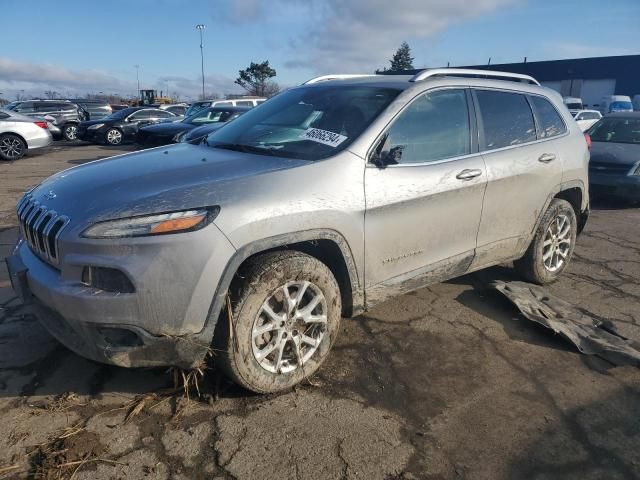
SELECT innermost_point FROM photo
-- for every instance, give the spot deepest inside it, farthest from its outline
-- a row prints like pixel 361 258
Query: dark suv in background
pixel 64 114
pixel 96 109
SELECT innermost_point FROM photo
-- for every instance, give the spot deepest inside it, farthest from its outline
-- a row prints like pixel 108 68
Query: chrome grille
pixel 41 228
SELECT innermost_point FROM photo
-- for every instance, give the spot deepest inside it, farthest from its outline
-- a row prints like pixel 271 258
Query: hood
pixel 88 123
pixel 204 130
pixel 170 128
pixel 157 180
pixel 615 153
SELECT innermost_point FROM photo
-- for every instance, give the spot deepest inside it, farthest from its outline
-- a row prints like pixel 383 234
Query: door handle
pixel 468 174
pixel 546 157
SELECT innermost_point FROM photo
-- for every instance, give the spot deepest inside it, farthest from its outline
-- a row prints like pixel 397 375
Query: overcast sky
pixel 79 46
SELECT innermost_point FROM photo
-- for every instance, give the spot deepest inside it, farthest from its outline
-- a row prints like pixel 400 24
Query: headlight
pixel 177 138
pixel 96 126
pixel 160 224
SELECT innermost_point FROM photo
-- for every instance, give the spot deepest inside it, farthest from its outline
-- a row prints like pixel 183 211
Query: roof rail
pixel 337 76
pixel 465 72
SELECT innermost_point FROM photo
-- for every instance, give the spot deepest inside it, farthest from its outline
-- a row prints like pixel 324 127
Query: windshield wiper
pixel 239 147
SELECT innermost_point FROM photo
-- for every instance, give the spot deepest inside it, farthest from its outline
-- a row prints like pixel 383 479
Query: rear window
pixel 616 130
pixel 549 121
pixel 507 119
pixel 574 106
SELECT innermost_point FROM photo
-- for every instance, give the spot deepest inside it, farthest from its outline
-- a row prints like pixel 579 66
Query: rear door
pixel 422 213
pixel 523 168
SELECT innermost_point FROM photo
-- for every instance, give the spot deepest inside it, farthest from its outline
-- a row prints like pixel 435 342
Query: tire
pixel 113 136
pixel 540 264
pixel 251 360
pixel 70 132
pixel 12 147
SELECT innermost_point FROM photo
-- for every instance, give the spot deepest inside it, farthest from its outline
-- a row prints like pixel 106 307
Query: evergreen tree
pixel 402 59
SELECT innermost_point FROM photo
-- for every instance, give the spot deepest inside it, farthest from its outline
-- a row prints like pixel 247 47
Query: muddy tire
pixel 552 246
pixel 285 316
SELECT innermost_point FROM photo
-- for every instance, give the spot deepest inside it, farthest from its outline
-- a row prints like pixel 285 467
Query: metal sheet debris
pixel 591 335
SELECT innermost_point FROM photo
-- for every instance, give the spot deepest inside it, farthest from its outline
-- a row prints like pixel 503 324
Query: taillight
pixel 588 139
pixel 42 125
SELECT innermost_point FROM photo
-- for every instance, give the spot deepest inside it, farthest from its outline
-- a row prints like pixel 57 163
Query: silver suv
pixel 325 200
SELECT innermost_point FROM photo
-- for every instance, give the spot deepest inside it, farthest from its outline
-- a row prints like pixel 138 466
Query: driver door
pixel 423 207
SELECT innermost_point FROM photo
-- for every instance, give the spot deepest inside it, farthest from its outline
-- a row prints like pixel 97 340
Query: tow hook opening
pixel 119 337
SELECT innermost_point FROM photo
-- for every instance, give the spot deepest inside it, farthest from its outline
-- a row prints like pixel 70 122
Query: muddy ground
pixel 447 382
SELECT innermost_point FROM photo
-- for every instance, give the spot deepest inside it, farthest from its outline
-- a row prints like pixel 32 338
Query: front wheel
pixel 113 136
pixel 283 323
pixel 70 132
pixel 552 246
pixel 12 147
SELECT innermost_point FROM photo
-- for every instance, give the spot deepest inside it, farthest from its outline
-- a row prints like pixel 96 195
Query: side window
pixel 549 120
pixel 244 103
pixel 140 115
pixel 507 119
pixel 26 107
pixel 161 114
pixel 433 127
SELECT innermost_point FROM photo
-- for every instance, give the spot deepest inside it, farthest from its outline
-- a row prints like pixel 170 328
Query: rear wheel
pixel 113 136
pixel 12 147
pixel 283 323
pixel 553 244
pixel 70 132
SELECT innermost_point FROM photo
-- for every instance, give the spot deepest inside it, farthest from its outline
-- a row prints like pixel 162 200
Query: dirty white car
pixel 318 204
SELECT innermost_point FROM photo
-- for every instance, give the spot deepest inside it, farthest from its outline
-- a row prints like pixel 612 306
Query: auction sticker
pixel 323 136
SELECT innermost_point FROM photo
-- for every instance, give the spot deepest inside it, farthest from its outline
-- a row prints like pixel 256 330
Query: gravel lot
pixel 446 382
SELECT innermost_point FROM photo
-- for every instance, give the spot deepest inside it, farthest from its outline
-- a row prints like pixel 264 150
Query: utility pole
pixel 201 27
pixel 138 77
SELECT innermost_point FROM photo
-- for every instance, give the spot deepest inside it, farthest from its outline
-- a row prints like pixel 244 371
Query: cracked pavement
pixel 446 382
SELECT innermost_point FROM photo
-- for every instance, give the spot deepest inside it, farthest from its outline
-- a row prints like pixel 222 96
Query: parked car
pixel 96 109
pixel 636 103
pixel 614 169
pixel 573 104
pixel 121 126
pixel 166 133
pixel 67 115
pixel 19 134
pixel 586 118
pixel 238 102
pixel 115 108
pixel 615 103
pixel 178 109
pixel 198 134
pixel 253 243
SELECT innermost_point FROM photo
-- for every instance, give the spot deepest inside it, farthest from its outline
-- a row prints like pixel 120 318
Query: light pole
pixel 138 77
pixel 201 27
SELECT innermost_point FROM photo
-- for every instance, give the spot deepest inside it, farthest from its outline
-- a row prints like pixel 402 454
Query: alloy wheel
pixel 11 147
pixel 114 137
pixel 71 132
pixel 289 327
pixel 557 243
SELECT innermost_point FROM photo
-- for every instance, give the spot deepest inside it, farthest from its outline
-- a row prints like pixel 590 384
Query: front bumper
pixel 160 324
pixel 93 136
pixel 620 186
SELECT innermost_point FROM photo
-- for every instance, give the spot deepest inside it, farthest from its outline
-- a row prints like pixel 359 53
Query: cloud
pixel 18 75
pixel 357 35
pixel 36 79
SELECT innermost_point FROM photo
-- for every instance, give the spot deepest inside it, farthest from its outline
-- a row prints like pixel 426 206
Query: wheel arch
pixel 328 246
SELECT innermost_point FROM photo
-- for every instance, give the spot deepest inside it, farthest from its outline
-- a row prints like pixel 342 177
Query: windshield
pixel 120 114
pixel 616 130
pixel 309 123
pixel 195 107
pixel 208 115
pixel 621 107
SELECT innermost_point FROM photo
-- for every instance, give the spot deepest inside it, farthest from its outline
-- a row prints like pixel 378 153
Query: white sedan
pixel 19 133
pixel 586 118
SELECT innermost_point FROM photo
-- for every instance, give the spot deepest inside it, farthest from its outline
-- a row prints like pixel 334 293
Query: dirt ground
pixel 446 382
